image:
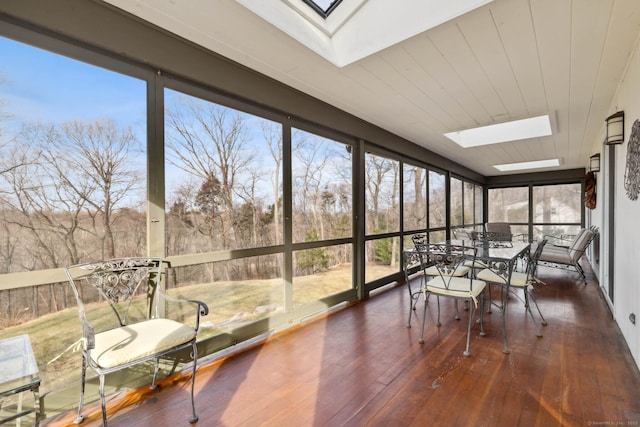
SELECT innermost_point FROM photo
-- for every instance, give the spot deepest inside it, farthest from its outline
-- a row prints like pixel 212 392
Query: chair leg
pixel 544 322
pixel 457 316
pixel 194 417
pixel 581 271
pixel 153 385
pixel 79 417
pixel 504 297
pixel 413 302
pixel 528 308
pixel 424 317
pixel 472 309
pixel 438 303
pixel 103 402
pixel 482 333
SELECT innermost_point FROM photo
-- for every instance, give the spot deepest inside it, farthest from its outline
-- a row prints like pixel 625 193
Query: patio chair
pixel 451 280
pixel 566 254
pixel 501 231
pixel 135 325
pixel 498 274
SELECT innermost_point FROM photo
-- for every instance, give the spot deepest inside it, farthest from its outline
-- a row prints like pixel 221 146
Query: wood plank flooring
pixel 362 366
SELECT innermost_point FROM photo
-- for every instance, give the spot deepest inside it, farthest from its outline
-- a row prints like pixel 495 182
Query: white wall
pixel 627 215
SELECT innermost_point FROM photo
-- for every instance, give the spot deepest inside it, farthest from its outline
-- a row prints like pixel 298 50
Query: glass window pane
pixel 469 200
pixel 237 292
pixel 456 202
pixel 72 188
pixel 223 175
pixel 72 161
pixel 437 200
pixel 509 205
pixel 382 194
pixel 321 272
pixel 479 199
pixel 557 203
pixel 414 198
pixel 322 189
pixel 383 258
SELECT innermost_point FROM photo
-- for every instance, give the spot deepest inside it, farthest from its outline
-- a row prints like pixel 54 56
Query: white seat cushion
pixel 475 264
pixel 128 343
pixel 518 279
pixel 458 287
pixel 461 270
pixel 556 254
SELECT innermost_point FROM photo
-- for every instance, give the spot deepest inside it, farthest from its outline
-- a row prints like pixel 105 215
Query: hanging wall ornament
pixel 590 190
pixel 632 169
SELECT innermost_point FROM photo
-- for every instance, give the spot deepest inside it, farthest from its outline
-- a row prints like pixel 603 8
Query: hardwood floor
pixel 363 366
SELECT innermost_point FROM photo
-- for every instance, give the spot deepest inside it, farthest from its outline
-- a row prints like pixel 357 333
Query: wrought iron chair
pixel 450 278
pixel 509 280
pixel 411 260
pixel 135 326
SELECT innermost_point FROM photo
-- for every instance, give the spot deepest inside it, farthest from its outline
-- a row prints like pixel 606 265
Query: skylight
pixel 323 7
pixel 345 31
pixel 510 131
pixel 528 165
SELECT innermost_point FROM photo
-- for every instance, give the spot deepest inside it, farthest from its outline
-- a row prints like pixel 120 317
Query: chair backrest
pixel 448 258
pixel 493 238
pixel 532 263
pixel 500 231
pixel 579 245
pixel 127 285
pixel 419 239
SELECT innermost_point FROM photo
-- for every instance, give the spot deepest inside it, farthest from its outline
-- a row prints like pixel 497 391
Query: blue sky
pixel 42 86
pixel 37 86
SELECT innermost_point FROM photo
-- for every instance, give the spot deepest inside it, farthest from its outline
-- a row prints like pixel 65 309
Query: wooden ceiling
pixel 505 60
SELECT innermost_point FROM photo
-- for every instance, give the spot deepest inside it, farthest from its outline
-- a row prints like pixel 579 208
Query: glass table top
pixel 18 367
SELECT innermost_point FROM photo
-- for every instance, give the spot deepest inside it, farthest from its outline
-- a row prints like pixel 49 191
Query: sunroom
pixel 281 158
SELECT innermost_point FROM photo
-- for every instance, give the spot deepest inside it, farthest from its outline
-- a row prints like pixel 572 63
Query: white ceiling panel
pixel 504 60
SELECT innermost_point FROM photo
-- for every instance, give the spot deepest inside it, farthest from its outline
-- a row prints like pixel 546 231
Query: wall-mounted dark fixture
pixel 594 163
pixel 615 128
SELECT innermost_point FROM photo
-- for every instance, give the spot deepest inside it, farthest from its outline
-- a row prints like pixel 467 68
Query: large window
pixel 322 182
pixel 557 209
pixel 223 177
pixel 437 200
pixel 382 195
pixel 466 204
pixel 509 205
pixel 72 188
pixel 321 170
pixel 457 203
pixel 414 197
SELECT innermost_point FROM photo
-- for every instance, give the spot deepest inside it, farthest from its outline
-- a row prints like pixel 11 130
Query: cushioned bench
pixel 563 254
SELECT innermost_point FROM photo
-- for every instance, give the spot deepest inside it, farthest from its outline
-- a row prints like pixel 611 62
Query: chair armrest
pixel 558 241
pixel 202 309
pixel 88 333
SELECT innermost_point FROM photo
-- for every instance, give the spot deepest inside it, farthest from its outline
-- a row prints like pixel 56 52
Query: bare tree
pixel 78 175
pixel 272 133
pixel 312 162
pixel 208 141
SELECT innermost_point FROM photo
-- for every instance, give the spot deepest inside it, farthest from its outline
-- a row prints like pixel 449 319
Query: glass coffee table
pixel 18 374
